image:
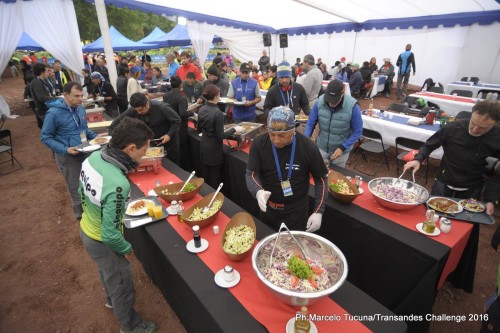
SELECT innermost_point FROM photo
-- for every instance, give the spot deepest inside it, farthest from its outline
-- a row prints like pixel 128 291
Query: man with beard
pixel 466 144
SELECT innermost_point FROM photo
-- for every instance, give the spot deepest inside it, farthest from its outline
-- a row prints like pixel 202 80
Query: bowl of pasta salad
pixel 194 215
pixel 239 236
pixel 341 188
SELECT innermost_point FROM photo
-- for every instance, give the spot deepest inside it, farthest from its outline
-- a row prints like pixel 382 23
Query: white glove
pixel 314 222
pixel 100 99
pixel 262 197
pixel 239 129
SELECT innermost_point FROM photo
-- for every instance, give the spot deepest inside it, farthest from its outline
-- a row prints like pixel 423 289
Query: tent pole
pixel 108 49
pixel 354 48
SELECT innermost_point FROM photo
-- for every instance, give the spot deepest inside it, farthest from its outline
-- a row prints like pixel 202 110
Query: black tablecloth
pixel 188 285
pixel 398 267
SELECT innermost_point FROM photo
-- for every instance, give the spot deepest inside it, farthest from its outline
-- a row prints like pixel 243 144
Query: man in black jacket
pixel 466 144
pixel 40 91
pixel 160 117
pixel 287 93
pixel 179 103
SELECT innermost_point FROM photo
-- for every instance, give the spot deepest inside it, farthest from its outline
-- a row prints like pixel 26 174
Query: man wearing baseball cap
pixel 278 172
pixel 246 91
pixel 286 92
pixel 340 123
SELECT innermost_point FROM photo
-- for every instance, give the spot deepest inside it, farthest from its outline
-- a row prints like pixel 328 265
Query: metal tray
pixel 251 131
pixel 480 217
pixel 137 221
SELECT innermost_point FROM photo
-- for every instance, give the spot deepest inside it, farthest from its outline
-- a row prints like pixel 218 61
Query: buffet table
pixel 378 84
pixel 395 265
pixel 391 128
pixel 470 86
pixel 449 103
pixel 186 280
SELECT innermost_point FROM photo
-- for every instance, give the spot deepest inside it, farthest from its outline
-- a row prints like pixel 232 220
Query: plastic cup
pixel 390 115
pixel 150 206
pixel 158 212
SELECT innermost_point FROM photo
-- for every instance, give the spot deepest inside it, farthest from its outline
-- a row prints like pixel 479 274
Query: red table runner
pixel 447 97
pixel 456 239
pixel 250 292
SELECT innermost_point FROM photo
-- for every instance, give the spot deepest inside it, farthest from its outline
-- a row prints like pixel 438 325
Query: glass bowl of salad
pixel 294 279
pixel 169 192
pixel 397 194
pixel 341 188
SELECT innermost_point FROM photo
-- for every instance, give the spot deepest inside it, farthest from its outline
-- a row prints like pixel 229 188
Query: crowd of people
pixel 281 161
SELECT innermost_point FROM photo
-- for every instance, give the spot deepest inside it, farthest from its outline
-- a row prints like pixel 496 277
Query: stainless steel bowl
pixel 421 193
pixel 315 247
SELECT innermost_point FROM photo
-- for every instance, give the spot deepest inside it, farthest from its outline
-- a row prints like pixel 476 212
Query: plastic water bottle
pixel 489 95
pixel 494 96
pixel 370 108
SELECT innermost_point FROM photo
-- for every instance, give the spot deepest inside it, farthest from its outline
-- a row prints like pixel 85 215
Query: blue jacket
pixel 62 127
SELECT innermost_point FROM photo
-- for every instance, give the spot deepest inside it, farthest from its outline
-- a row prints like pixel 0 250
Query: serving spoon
pixel 207 207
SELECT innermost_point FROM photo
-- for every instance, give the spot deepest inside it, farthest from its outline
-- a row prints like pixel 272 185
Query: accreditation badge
pixel 83 137
pixel 287 188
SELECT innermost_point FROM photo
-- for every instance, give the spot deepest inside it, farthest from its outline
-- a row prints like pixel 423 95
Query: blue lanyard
pixel 290 166
pixel 288 99
pixel 75 118
pixel 100 88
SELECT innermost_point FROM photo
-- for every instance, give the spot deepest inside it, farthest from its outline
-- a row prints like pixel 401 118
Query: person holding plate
pixel 278 171
pixel 466 144
pixel 64 128
pixel 246 92
pixel 105 189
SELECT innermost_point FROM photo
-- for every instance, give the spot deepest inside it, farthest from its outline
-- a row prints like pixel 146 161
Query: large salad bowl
pixel 315 247
pixel 393 198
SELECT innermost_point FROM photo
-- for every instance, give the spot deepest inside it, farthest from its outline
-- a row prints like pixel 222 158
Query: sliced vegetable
pixel 294 281
pixel 299 268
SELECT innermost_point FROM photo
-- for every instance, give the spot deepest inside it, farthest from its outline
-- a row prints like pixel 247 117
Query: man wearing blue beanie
pixel 286 92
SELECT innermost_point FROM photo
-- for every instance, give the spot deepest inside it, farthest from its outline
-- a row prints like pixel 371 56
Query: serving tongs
pixel 187 181
pixel 207 207
pixel 283 226
pixel 408 184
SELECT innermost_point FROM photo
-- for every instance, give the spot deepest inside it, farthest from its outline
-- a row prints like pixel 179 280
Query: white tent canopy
pixel 58 36
pixel 450 38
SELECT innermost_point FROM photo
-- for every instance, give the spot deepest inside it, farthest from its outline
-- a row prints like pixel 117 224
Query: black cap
pixel 334 92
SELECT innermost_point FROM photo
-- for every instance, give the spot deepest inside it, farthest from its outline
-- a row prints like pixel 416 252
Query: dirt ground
pixel 49 284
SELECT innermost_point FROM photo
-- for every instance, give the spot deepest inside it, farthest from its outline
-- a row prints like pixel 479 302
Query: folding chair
pixel 2 120
pixel 483 93
pixel 438 90
pixel 401 108
pixel 402 142
pixel 464 93
pixel 474 79
pixel 375 144
pixel 6 147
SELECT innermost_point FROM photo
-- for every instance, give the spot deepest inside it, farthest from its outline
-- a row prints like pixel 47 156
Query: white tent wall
pixel 58 35
pixel 443 54
pixel 11 30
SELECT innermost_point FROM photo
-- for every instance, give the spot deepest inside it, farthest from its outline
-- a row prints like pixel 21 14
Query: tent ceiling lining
pixel 352 15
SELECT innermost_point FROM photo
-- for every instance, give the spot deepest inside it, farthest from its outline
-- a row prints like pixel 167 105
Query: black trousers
pixel 440 189
pixel 212 174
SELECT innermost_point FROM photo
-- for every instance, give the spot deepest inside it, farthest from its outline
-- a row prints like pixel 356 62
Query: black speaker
pixel 267 39
pixel 283 40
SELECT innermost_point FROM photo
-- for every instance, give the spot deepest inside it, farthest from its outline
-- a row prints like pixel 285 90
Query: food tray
pixel 467 216
pixel 153 162
pixel 251 132
pixel 137 221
